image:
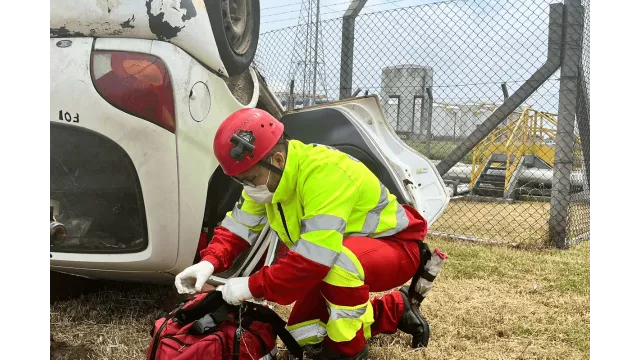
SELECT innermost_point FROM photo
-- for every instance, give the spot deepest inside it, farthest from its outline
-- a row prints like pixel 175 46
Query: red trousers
pixel 388 263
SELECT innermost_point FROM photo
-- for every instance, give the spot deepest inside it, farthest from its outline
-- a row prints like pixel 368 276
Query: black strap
pixel 266 315
pixel 156 337
pixel 427 276
pixel 221 314
pixel 210 302
pixel 236 343
pixel 425 255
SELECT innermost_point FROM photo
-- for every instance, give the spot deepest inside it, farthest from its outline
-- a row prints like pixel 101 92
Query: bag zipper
pixel 284 222
pixel 156 338
pixel 184 344
pixel 180 342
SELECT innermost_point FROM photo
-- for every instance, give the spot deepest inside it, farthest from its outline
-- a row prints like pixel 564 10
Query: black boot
pixel 326 354
pixel 412 322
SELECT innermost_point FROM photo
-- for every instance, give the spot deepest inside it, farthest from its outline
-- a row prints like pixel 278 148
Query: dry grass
pixel 521 222
pixel 518 222
pixel 490 302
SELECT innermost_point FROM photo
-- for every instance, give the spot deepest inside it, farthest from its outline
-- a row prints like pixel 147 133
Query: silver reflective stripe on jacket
pixel 240 230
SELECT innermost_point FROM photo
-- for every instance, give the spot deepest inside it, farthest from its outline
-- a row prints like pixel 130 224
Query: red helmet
pixel 244 138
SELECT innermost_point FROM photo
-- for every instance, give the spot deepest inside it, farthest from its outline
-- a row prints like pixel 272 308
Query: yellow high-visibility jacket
pixel 324 196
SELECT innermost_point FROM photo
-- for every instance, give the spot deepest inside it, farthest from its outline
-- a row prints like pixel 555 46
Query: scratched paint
pixel 64 32
pixel 184 23
pixel 127 24
pixel 167 17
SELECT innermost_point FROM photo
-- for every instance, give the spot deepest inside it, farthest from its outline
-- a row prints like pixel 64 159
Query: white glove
pixel 236 290
pixel 198 273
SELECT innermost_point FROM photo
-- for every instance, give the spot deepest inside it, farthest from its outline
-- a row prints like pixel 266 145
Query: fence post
pixel 519 96
pixel 505 91
pixel 292 99
pixel 584 123
pixel 427 146
pixel 563 162
pixel 346 53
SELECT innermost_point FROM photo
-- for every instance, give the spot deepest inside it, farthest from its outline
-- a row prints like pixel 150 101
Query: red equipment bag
pixel 206 327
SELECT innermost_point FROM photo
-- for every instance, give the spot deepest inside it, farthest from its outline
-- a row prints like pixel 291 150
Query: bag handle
pixel 264 314
pixel 213 300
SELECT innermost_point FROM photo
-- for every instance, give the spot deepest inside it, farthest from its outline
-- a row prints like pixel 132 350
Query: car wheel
pixel 236 27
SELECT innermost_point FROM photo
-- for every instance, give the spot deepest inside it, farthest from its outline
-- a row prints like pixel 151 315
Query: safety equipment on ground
pixel 205 324
pixel 244 138
pixel 236 290
pixel 197 273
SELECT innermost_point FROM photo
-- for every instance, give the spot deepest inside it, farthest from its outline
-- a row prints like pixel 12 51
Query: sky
pixel 471 46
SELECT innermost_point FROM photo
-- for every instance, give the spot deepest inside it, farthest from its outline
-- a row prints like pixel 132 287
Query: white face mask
pixel 261 193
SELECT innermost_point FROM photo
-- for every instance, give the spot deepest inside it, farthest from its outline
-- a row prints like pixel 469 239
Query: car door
pixel 358 127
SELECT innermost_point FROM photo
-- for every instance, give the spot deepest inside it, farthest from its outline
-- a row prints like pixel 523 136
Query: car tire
pixel 236 26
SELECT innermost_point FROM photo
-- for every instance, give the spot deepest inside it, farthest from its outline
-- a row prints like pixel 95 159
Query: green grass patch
pixel 439 149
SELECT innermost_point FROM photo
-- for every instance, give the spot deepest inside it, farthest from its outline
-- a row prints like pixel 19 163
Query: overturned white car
pixel 137 93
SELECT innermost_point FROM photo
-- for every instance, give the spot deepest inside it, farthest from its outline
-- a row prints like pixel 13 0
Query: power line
pixel 365 7
pixel 341 3
pixel 280 6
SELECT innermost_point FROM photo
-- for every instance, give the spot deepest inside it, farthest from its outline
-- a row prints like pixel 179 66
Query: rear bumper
pixel 133 276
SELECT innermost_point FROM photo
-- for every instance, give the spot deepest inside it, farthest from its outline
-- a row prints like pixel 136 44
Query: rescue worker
pixel 347 234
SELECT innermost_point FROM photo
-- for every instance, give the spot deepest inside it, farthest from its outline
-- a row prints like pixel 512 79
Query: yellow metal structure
pixel 527 132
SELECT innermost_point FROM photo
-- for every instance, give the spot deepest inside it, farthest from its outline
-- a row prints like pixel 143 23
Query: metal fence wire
pixel 495 93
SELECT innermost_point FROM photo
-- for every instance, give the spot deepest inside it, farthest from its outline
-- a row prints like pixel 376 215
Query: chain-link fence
pixel 485 89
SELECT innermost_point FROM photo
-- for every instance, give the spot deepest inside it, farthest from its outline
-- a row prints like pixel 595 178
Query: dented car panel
pixel 184 23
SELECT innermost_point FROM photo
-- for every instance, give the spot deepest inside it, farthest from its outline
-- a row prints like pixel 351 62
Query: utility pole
pixel 308 55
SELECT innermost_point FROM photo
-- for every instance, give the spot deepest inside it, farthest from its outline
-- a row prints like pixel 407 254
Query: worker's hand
pixel 198 274
pixel 236 290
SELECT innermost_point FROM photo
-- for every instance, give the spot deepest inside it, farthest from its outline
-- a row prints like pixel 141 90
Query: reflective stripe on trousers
pixel 344 321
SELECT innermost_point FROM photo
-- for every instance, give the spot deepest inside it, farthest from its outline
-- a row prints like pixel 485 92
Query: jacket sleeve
pixel 239 229
pixel 328 196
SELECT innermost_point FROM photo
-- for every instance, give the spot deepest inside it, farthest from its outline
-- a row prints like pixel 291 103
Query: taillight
pixel 138 84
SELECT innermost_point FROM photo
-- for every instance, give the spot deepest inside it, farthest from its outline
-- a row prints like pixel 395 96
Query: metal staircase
pixel 525 141
pixel 491 180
